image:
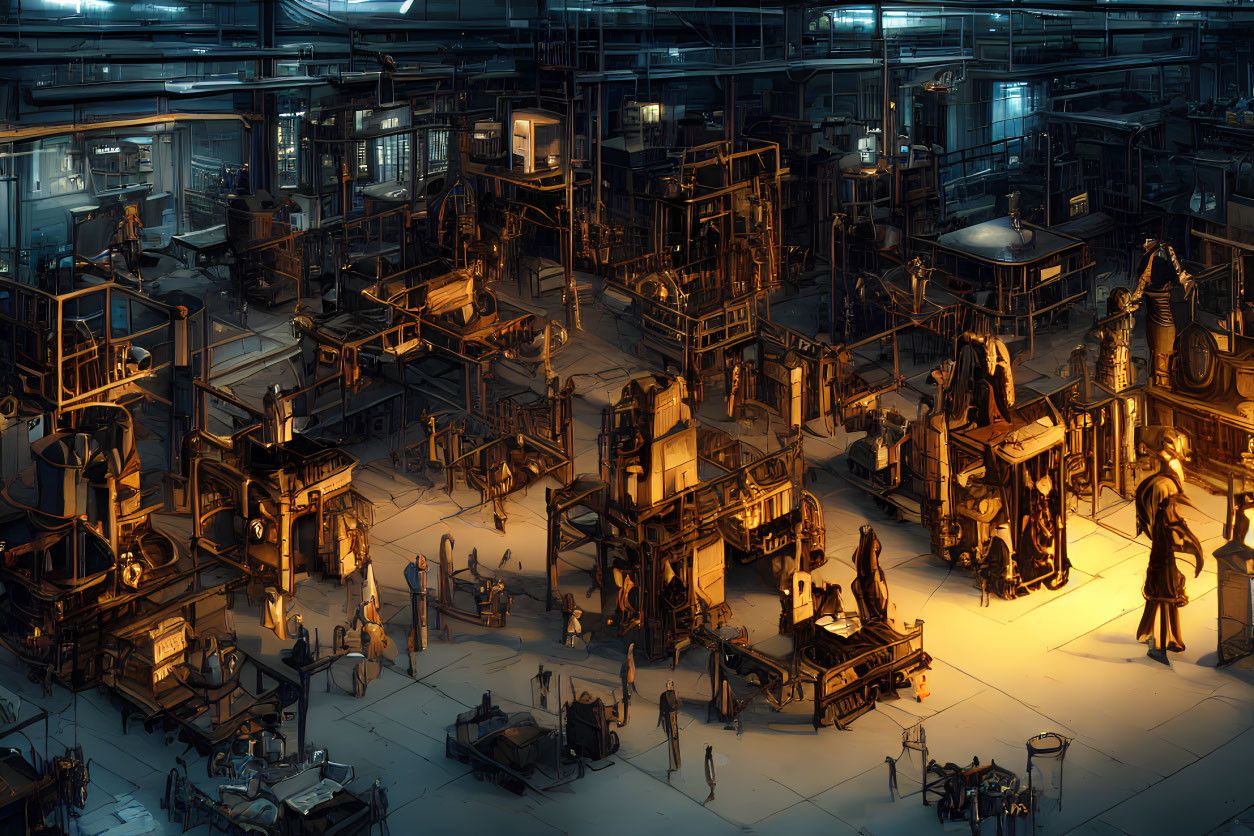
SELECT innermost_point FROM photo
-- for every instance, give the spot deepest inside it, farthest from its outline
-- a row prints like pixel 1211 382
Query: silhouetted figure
pixel 710 778
pixel 668 719
pixel 1167 481
pixel 1164 587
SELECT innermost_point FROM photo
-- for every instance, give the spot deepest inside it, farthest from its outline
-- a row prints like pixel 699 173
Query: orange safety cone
pixel 921 690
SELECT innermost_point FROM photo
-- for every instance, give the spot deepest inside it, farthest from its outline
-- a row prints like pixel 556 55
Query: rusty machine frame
pixel 662 535
pixel 715 256
pixel 272 502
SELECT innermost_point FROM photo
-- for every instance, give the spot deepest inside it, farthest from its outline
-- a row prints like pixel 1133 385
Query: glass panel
pixel 1011 101
pixel 287 143
pixel 437 151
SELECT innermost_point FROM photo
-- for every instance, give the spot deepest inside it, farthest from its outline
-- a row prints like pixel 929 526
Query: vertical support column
pixel 302 710
pixel 1010 29
pixel 416 577
pixel 598 134
pixel 1095 472
pixel 420 607
pixel 264 141
pixel 572 289
pixel 57 353
pixel 1049 166
pixel 286 569
pixel 550 555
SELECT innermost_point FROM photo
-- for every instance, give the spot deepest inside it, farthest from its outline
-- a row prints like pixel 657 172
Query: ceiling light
pixel 405 6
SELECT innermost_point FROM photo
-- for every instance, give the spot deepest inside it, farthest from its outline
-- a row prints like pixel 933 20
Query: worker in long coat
pixel 711 777
pixel 1164 587
pixel 627 674
pixel 668 719
pixel 1167 481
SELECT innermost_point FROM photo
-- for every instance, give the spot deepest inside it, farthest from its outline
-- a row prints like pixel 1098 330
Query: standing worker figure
pixel 668 719
pixel 1167 481
pixel 129 230
pixel 1161 272
pixel 710 778
pixel 573 628
pixel 1164 588
pixel 570 620
pixel 627 673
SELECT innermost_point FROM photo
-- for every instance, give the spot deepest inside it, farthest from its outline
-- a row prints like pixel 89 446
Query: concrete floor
pixel 1157 749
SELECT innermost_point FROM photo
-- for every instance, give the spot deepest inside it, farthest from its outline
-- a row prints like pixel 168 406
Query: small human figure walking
pixel 710 778
pixel 668 719
pixel 129 230
pixel 627 674
pixel 573 627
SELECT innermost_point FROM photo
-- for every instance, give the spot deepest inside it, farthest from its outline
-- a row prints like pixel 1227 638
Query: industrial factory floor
pixel 1157 749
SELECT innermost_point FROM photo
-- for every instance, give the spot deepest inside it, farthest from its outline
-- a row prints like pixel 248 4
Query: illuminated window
pixel 437 151
pixel 650 113
pixel 53 169
pixel 391 157
pixel 1012 100
pixel 1079 205
pixel 286 141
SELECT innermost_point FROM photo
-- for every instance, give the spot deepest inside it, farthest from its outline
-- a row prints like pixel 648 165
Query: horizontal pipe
pixel 110 90
pixel 41 131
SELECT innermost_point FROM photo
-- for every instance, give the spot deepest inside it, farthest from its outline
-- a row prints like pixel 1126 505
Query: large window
pixel 391 158
pixel 53 169
pixel 1012 101
pixel 288 144
pixel 437 151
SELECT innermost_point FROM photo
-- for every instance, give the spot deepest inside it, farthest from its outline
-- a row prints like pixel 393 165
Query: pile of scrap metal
pixel 506 749
pixel 663 533
pixel 848 660
pixel 268 791
pixel 83 561
pixel 274 503
pixel 986 478
pixel 976 793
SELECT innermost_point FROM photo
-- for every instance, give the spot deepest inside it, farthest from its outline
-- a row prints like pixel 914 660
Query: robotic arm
pixel 1152 247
